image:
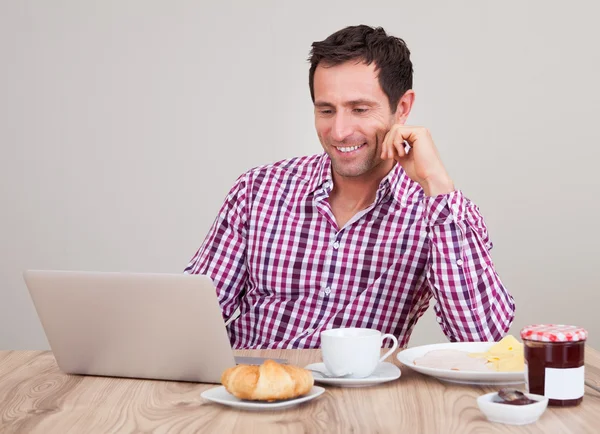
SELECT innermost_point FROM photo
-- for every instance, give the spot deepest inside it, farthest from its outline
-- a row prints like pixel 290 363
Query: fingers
pixel 399 146
pixel 394 144
pixel 399 136
pixel 385 154
pixel 388 148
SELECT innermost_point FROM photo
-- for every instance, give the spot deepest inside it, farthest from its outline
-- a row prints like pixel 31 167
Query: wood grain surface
pixel 36 397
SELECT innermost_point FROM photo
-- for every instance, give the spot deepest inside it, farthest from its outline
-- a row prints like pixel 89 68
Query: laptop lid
pixel 155 326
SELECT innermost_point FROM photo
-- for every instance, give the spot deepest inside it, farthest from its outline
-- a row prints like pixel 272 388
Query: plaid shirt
pixel 276 253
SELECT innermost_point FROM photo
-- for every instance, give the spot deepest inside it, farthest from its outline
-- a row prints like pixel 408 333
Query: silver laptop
pixel 157 326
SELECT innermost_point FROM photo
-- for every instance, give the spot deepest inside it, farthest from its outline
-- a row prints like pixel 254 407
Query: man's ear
pixel 404 107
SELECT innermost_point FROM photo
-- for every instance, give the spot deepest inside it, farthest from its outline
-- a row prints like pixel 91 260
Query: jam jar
pixel 554 362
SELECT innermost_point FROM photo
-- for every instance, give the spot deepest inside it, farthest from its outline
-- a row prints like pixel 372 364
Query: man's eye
pixel 326 112
pixel 360 110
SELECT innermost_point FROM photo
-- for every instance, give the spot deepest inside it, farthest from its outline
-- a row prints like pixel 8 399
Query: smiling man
pixel 363 235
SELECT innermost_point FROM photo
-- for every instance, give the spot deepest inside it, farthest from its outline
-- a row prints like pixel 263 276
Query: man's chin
pixel 349 170
pixel 355 169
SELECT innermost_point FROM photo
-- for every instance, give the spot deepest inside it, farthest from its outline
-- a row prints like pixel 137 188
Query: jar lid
pixel 553 333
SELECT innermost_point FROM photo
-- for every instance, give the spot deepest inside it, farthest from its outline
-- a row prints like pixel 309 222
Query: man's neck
pixel 353 194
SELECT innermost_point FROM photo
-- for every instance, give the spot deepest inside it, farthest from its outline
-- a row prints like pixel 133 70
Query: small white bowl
pixel 512 414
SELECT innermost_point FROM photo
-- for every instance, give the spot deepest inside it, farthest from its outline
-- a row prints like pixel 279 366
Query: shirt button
pixel 327 291
pixel 336 245
pixel 439 320
pixel 459 262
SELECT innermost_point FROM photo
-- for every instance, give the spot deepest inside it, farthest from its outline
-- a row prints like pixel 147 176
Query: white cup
pixel 354 352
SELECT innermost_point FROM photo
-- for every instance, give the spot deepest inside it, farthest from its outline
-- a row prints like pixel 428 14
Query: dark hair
pixel 366 44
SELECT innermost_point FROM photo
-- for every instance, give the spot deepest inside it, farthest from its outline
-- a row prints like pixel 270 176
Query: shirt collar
pixel 322 176
pixel 396 181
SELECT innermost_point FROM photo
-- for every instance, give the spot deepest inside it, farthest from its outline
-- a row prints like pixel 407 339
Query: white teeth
pixel 349 148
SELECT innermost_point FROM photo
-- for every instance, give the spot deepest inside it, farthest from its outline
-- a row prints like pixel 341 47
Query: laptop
pixel 137 325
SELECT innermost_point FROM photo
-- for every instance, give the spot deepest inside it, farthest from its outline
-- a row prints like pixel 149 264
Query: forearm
pixel 472 302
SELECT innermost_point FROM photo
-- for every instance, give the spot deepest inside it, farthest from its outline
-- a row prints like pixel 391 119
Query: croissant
pixel 270 381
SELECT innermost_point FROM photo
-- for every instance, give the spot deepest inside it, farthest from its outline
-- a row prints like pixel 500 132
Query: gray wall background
pixel 124 123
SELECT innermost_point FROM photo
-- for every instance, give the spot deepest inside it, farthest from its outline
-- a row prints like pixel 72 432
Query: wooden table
pixel 36 397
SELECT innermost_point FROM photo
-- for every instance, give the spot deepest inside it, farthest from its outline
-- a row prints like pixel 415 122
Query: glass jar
pixel 554 362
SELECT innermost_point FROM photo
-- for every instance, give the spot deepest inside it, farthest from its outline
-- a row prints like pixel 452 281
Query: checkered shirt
pixel 276 254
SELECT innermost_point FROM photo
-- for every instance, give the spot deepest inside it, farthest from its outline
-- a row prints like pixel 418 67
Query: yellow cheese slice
pixel 505 356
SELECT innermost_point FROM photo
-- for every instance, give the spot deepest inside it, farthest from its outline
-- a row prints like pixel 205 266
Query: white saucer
pixel 222 396
pixel 385 372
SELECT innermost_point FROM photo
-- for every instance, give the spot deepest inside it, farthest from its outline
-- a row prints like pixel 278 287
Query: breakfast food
pixel 512 397
pixel 503 356
pixel 555 355
pixel 270 381
pixel 454 360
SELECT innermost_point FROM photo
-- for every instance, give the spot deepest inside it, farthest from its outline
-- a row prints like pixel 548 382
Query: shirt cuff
pixel 444 209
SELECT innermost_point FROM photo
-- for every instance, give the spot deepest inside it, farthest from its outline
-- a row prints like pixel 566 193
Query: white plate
pixel 408 356
pixel 222 396
pixel 385 372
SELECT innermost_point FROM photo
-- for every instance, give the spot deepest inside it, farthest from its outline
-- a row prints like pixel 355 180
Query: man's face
pixel 352 117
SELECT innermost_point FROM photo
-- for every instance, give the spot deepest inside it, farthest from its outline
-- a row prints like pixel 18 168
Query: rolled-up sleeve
pixel 472 303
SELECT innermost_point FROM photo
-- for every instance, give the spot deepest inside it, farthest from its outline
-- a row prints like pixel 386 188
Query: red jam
pixel 554 362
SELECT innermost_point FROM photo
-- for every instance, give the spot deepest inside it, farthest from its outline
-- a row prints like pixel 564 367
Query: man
pixel 361 236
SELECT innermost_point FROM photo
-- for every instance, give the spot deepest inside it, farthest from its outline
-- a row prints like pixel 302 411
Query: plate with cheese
pixel 492 363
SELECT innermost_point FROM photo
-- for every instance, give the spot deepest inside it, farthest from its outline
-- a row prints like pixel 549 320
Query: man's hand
pixel 421 162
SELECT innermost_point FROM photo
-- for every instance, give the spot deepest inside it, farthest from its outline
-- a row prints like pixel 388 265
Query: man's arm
pixel 472 304
pixel 222 256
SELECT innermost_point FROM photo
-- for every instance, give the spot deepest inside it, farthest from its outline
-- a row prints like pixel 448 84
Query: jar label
pixel 564 383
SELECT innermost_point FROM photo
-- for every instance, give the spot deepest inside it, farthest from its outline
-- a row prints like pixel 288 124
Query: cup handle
pixel 389 353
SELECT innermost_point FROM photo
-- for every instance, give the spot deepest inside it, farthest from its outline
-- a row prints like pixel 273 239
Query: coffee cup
pixel 354 352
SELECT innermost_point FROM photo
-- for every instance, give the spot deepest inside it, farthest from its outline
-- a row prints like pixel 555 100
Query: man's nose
pixel 342 127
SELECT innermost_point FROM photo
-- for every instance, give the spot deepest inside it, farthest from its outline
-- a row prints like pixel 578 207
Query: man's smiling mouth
pixel 346 149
